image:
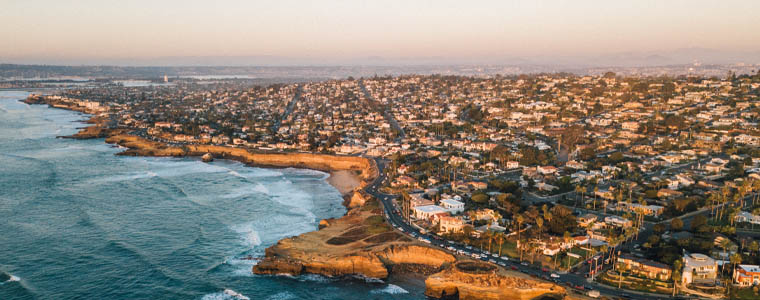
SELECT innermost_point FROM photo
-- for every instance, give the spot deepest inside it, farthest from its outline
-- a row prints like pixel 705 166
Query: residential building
pixel 699 268
pixel 747 275
pixel 644 267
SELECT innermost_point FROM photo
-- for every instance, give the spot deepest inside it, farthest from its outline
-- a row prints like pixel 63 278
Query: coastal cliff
pixel 359 243
pixel 469 280
pixel 142 147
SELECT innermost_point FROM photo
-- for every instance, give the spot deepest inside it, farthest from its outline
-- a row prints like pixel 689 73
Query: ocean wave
pixel 249 236
pixel 307 172
pixel 227 294
pixel 236 174
pixel 367 279
pixel 247 191
pixel 282 296
pixel 315 278
pixel 390 289
pixel 11 278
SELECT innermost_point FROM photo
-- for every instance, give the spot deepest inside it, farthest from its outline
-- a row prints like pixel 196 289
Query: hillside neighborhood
pixel 648 184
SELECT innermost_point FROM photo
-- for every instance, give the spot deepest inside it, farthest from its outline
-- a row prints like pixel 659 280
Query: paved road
pixel 386 113
pixel 578 282
pixel 288 110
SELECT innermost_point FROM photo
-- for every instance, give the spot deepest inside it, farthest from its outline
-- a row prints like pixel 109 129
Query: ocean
pixel 78 222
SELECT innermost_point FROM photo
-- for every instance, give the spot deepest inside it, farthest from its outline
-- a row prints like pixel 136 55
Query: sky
pixel 180 32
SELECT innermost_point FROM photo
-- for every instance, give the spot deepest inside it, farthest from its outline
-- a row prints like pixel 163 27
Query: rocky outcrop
pixel 354 199
pixel 207 157
pixel 142 147
pixel 482 281
pixel 359 243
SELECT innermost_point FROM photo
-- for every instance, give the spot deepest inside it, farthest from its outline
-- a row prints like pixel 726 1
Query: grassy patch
pixel 374 220
pixel 745 293
pixel 375 229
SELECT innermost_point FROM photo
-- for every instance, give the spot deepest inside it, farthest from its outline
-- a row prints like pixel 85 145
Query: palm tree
pixel 676 274
pixel 501 242
pixel 735 260
pixel 583 195
pixel 490 235
pixel 596 190
pixel 724 243
pixel 519 218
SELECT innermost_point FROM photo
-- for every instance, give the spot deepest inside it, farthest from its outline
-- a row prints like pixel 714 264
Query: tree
pixel 754 247
pixel 659 228
pixel 480 198
pixel 561 219
pixel 698 221
pixel 676 224
pixel 676 274
pixel 519 219
pixel 735 260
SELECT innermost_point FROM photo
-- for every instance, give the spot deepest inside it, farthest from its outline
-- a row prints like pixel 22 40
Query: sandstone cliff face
pixel 356 199
pixel 142 147
pixel 359 243
pixel 477 280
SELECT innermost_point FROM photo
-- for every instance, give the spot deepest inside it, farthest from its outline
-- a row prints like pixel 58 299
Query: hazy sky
pixel 97 31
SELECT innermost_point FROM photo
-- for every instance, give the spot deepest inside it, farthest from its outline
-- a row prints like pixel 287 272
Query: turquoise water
pixel 78 222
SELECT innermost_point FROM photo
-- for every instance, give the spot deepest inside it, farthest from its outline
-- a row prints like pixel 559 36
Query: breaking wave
pixel 390 289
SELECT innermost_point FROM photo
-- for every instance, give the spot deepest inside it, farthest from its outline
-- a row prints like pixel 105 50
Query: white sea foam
pixel 227 294
pixel 261 188
pixel 236 174
pixel 368 279
pixel 242 267
pixel 282 296
pixel 13 278
pixel 248 233
pixel 390 289
pixel 315 278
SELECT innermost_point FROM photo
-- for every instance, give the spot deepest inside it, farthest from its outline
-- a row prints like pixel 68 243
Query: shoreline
pixel 359 243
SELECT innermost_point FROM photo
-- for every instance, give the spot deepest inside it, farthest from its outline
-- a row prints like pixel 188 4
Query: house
pixel 575 165
pixel 451 224
pixel 745 217
pixel 699 268
pixel 649 210
pixel 485 214
pixel 512 165
pixel 404 180
pixel 668 193
pixel 426 212
pixel 546 170
pixel 580 240
pixel 586 219
pixel 747 275
pixel 551 250
pixel 630 126
pixel 644 267
pixel 452 206
pixel 618 221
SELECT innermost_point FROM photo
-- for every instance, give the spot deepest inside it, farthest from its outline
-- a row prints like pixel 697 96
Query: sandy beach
pixel 344 180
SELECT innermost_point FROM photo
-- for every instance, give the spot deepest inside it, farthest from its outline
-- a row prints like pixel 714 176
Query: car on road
pixel 545 270
pixel 505 258
pixel 525 263
pixel 554 275
pixel 513 268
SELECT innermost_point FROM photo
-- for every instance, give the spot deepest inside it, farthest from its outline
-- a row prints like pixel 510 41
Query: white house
pixel 428 211
pixel 452 206
pixel 699 268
